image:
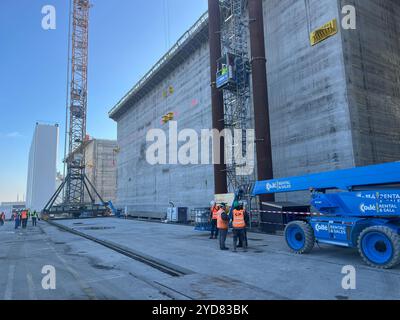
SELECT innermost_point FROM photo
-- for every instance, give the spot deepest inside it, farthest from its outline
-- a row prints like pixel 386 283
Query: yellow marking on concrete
pixel 323 33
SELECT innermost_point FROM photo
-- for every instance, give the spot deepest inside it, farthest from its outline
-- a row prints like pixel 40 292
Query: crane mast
pixel 74 192
pixel 69 199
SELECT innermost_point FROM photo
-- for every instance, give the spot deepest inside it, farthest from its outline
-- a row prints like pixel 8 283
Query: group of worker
pixel 21 218
pixel 220 219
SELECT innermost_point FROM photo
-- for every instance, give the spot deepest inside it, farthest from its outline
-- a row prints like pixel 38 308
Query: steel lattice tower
pixel 74 191
pixel 70 196
pixel 234 38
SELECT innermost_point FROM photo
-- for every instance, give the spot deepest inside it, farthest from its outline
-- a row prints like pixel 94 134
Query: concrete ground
pixel 84 270
pixel 87 270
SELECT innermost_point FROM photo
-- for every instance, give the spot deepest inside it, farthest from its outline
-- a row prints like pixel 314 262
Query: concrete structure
pixel 42 168
pixel 372 65
pixel 8 207
pixel 333 105
pixel 101 167
pixel 148 189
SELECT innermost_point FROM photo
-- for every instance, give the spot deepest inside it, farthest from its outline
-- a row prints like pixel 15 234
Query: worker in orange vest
pixel 240 220
pixel 223 226
pixel 213 220
pixel 24 218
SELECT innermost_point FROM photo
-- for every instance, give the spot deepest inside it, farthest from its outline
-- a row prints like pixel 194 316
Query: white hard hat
pixel 212 203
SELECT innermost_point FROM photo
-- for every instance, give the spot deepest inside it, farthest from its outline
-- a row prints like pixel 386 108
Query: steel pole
pixel 217 101
pixel 260 94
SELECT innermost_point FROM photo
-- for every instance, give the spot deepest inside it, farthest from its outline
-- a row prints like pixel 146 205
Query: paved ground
pixel 86 270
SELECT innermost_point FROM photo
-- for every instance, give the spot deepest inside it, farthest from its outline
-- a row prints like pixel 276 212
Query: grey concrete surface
pixel 267 271
pixel 147 189
pixel 87 270
pixel 84 270
pixel 372 55
pixel 310 123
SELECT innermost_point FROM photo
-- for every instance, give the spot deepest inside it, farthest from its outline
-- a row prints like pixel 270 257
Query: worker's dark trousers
pixel 1 222
pixel 34 222
pixel 245 239
pixel 214 229
pixel 241 235
pixel 222 237
pixel 24 223
pixel 16 223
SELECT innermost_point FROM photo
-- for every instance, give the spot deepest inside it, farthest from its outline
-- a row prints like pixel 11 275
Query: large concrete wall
pixel 148 189
pixel 337 104
pixel 372 59
pixel 310 125
pixel 101 167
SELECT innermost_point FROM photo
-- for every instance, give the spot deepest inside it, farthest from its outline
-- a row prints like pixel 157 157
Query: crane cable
pixel 166 14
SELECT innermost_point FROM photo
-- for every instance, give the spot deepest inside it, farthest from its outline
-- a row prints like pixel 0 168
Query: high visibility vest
pixel 214 211
pixel 238 219
pixel 24 215
pixel 222 224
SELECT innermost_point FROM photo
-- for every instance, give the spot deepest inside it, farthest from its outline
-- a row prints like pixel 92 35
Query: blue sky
pixel 126 38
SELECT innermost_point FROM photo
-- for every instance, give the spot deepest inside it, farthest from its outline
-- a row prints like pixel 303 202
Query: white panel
pixel 42 168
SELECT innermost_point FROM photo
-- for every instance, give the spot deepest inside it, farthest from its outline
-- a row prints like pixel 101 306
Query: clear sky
pixel 126 38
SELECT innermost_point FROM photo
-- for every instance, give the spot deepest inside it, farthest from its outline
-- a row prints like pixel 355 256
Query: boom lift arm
pixel 366 191
pixel 359 207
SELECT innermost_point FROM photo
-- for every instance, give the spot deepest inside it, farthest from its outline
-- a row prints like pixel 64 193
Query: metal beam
pixel 260 93
pixel 217 102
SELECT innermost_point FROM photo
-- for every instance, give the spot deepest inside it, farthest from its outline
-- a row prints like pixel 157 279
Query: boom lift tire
pixel 300 237
pixel 379 246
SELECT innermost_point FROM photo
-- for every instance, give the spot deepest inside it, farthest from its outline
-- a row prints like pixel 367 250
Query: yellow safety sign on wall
pixel 323 33
pixel 168 117
pixel 169 91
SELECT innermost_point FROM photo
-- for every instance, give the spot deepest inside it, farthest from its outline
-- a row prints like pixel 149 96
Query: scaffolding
pixel 236 88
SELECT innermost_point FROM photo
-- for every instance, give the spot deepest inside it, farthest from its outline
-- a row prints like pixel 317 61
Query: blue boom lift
pixel 357 208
